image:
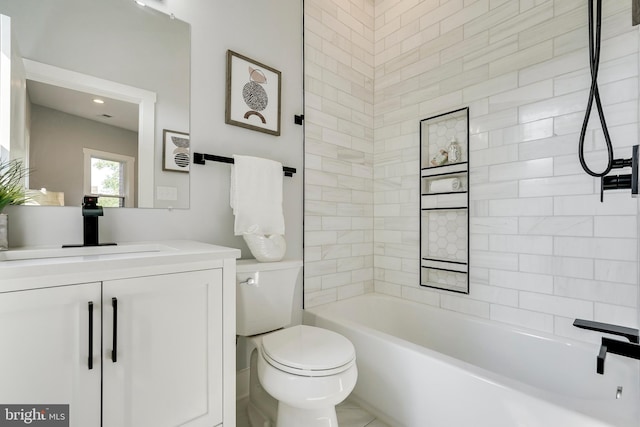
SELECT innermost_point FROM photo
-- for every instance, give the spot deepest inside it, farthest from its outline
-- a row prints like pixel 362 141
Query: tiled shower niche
pixel 444 201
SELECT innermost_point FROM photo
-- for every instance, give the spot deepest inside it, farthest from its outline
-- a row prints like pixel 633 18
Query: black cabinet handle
pixel 114 304
pixel 90 364
pixel 629 333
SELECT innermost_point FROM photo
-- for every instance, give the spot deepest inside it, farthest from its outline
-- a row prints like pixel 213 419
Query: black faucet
pixel 628 349
pixel 90 213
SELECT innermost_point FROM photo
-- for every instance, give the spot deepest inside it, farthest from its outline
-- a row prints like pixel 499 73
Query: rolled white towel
pixel 445 185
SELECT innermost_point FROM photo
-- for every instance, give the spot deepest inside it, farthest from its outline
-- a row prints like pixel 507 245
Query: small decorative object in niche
pixel 441 157
pixel 444 201
pixel 253 94
pixel 176 155
pixel 454 152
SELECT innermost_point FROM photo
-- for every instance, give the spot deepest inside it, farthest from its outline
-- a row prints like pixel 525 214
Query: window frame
pixel 129 168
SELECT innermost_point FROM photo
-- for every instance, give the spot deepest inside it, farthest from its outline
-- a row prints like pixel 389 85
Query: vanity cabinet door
pixel 44 352
pixel 166 369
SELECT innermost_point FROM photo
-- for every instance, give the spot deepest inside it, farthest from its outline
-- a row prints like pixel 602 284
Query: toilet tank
pixel 264 295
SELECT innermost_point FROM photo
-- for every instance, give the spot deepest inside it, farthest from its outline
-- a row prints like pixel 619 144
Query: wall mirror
pixel 444 201
pixel 68 55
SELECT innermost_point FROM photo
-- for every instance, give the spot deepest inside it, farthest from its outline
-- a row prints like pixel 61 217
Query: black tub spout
pixel 629 333
pixel 601 357
pixel 629 349
pixel 621 348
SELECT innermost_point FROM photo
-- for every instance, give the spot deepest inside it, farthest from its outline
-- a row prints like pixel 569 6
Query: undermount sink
pixel 58 252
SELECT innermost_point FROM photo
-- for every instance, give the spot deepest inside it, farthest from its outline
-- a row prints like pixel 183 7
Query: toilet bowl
pixel 300 373
pixel 308 370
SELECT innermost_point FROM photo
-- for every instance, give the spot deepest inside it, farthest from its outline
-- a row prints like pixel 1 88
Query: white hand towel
pixel 256 195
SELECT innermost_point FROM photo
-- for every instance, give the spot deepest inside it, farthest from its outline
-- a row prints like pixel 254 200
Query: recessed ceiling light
pixel 98 101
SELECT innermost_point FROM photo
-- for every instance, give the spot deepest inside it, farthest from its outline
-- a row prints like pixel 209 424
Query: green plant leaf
pixel 12 189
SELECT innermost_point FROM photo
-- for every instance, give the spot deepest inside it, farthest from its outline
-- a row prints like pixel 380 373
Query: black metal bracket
pixel 298 119
pixel 200 158
pixel 625 181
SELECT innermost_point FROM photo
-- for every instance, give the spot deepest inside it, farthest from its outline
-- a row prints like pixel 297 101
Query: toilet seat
pixel 308 351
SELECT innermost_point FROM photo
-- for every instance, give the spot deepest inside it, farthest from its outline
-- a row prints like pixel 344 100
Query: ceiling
pixel 113 112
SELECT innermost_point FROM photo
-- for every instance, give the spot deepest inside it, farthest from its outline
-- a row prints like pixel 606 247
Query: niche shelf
pixel 444 201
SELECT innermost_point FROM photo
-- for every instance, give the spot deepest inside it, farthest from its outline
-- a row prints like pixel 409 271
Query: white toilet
pixel 306 371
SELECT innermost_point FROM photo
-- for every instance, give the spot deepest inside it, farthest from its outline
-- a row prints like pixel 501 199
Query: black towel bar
pixel 199 158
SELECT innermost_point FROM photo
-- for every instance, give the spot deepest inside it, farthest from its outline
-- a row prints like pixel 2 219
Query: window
pixel 109 176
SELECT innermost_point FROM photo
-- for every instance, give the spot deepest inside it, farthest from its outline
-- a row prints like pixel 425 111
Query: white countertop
pixel 36 267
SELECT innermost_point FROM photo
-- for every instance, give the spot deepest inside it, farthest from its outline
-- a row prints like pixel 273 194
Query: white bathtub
pixel 424 367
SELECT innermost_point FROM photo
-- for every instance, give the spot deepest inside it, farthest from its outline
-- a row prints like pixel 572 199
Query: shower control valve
pixel 623 181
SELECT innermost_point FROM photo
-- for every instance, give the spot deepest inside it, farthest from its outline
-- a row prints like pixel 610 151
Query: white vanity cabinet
pixel 159 373
pixel 44 349
pixel 145 342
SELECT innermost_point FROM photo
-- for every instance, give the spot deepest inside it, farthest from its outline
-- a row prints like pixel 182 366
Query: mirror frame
pixel 145 99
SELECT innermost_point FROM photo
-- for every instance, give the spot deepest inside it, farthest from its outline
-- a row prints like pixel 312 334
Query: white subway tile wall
pixel 339 145
pixel 543 249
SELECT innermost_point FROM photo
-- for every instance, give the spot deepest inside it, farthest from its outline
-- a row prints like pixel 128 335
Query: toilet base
pixel 288 416
pixel 256 417
pixel 262 408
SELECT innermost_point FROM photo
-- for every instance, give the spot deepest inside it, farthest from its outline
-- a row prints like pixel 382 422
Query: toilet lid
pixel 307 350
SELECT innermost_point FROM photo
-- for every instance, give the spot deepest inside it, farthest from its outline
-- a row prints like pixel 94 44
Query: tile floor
pixel 349 415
